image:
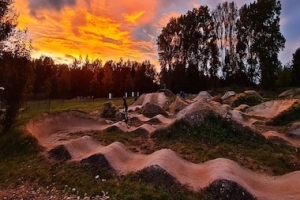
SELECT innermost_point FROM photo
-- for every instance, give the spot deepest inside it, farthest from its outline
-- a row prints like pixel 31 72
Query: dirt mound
pixel 203 95
pixel 153 98
pixel 145 129
pixel 249 97
pixel 108 110
pixel 99 160
pixel 151 110
pixel 169 166
pixel 167 92
pixel 178 105
pixel 228 94
pixel 228 190
pixel 281 138
pixel 242 107
pixel 157 176
pixel 271 109
pixel 294 130
pixel 290 94
pixel 195 113
pixel 60 153
pixel 52 130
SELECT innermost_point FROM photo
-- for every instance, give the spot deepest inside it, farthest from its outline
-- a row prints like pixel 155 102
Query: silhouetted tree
pixel 15 68
pixel 296 68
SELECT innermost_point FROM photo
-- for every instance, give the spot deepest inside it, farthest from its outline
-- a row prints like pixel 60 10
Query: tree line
pixel 22 78
pixel 227 46
pixel 85 77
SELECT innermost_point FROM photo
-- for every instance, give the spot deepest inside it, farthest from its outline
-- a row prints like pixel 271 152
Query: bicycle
pixel 126 118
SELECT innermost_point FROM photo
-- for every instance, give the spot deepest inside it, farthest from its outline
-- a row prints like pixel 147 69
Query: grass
pixel 23 161
pixel 215 138
pixel 35 108
pixel 248 100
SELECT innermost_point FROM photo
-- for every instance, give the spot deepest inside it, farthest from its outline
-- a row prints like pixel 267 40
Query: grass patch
pixel 21 161
pixel 248 100
pixel 216 137
pixel 35 108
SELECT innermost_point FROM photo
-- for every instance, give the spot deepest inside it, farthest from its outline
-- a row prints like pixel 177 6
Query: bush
pixel 213 129
pixel 249 100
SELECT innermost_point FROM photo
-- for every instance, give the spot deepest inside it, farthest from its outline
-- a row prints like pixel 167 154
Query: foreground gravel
pixel 25 192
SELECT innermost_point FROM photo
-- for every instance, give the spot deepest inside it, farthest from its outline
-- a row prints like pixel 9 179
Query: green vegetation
pixel 247 99
pixel 34 108
pixel 216 137
pixel 22 160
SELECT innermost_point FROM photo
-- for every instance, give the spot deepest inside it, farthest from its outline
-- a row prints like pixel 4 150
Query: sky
pixel 110 29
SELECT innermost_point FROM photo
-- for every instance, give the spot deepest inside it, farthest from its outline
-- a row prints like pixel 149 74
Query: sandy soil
pixel 71 130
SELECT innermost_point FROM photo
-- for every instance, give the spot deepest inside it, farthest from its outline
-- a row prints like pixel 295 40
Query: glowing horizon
pixel 109 30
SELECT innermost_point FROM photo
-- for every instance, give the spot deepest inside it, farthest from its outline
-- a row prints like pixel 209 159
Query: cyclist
pixel 125 108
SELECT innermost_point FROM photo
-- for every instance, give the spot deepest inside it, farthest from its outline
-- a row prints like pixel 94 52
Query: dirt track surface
pixel 70 130
pixel 271 109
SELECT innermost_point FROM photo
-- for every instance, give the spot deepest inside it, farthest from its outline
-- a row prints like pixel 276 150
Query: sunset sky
pixel 109 29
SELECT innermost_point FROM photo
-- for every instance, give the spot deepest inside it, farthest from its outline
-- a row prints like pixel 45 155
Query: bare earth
pixel 71 129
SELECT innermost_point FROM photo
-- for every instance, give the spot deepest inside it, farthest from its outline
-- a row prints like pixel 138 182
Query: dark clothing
pixel 125 105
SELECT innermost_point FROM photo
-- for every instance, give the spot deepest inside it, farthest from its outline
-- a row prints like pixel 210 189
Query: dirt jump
pixel 67 136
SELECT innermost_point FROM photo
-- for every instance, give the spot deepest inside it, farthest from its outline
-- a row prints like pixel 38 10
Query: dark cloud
pixel 35 5
pixel 110 40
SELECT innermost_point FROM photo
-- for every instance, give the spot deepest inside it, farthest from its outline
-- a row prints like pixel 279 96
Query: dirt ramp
pixel 203 95
pixel 53 130
pixel 272 109
pixel 199 109
pixel 290 94
pixel 281 138
pixel 158 98
pixel 228 190
pixel 150 110
pixel 151 173
pixel 178 105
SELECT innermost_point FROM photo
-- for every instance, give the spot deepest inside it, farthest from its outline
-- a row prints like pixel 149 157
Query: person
pixel 125 107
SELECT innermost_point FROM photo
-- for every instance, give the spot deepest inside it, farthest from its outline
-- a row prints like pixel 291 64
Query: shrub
pixel 249 100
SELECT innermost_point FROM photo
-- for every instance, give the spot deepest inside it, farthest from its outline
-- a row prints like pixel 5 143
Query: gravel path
pixel 25 192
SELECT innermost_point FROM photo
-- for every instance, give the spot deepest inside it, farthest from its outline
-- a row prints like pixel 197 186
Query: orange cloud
pixel 100 29
pixel 133 17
